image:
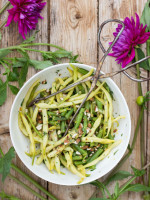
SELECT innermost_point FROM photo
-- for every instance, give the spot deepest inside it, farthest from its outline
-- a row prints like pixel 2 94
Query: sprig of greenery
pixel 16 68
pixel 126 187
pixel 3 195
pixel 5 166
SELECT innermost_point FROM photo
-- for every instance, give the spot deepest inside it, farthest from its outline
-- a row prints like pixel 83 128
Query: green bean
pixel 69 113
pixel 51 113
pixel 43 94
pixel 79 118
pixel 82 71
pixel 60 136
pixel 53 123
pixel 74 154
pixel 82 144
pixel 59 118
pixel 100 134
pixel 85 124
pixel 32 93
pixel 81 88
pixel 92 167
pixel 99 104
pixel 91 110
pixel 63 126
pixel 94 118
pixel 96 155
pixel 92 144
pixel 87 105
pixel 110 137
pixel 64 113
pixel 77 158
pixel 78 162
pixel 77 148
pixel 34 128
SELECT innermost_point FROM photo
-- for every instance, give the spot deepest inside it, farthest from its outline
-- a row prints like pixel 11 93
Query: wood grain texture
pixel 73 24
pixel 8 40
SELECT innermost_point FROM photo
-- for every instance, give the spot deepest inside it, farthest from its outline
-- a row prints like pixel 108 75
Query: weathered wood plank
pixel 15 189
pixel 73 25
pixel 119 10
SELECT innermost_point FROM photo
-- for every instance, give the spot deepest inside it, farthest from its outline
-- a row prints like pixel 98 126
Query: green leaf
pixel 137 188
pixel 40 64
pixel 6 196
pixel 1 82
pixel 100 186
pixel 5 163
pixel 32 38
pixel 62 54
pixel 116 190
pixel 120 175
pixel 24 54
pixel 145 16
pixel 143 64
pixel 24 69
pixel 4 52
pixel 13 76
pixel 3 92
pixel 138 172
pixel 14 89
pixel 94 198
pixel 74 59
pixel 19 62
pixel 23 74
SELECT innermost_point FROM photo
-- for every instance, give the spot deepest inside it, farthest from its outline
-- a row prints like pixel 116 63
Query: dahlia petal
pixel 137 21
pixel 124 62
pixel 10 18
pixel 132 55
pixel 26 13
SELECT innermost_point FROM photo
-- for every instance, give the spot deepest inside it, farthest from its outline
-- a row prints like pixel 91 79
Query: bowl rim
pixel 11 117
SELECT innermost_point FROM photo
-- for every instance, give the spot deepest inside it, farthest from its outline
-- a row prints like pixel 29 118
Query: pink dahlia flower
pixel 26 13
pixel 133 35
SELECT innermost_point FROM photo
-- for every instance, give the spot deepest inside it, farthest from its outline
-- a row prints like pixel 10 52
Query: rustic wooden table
pixel 73 24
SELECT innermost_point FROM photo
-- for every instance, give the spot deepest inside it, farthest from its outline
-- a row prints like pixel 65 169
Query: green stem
pixel 33 182
pixel 148 49
pixel 132 145
pixel 127 155
pixel 126 184
pixel 142 135
pixel 1 152
pixel 41 44
pixel 35 50
pixel 32 44
pixel 1 26
pixel 26 187
pixel 138 73
pixel 4 7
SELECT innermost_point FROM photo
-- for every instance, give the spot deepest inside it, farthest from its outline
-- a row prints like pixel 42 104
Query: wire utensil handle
pixel 97 73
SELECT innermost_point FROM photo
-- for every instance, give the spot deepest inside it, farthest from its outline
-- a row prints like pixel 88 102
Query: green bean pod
pixel 59 118
pixel 77 158
pixel 63 126
pixel 69 113
pixel 95 155
pixel 77 148
pixel 99 104
pixel 100 134
pixel 79 118
pixel 85 124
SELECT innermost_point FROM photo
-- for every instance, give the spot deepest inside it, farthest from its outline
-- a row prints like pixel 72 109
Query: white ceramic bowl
pixel 21 143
